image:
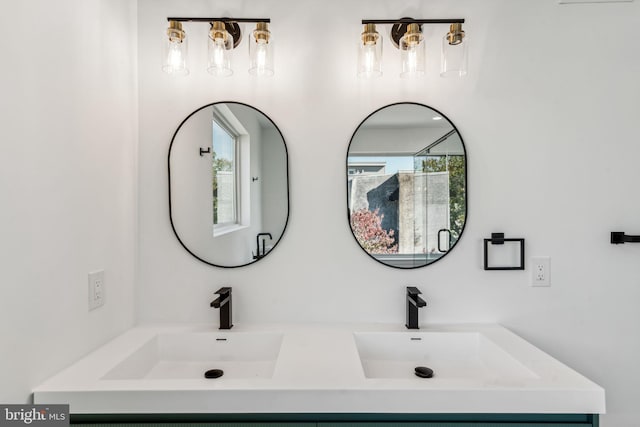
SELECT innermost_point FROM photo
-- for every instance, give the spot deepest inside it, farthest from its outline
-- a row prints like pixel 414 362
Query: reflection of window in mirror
pixel 230 143
pixel 224 176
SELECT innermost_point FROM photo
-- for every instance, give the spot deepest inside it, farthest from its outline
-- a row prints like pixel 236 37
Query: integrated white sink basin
pixel 320 368
pixel 189 355
pixel 451 355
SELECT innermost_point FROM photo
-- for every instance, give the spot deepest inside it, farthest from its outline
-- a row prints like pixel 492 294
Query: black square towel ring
pixel 499 239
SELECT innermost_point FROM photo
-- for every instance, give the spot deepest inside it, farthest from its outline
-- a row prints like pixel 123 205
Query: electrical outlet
pixel 540 271
pixel 96 289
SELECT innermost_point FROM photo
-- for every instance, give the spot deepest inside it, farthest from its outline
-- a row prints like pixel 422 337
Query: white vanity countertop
pixel 318 370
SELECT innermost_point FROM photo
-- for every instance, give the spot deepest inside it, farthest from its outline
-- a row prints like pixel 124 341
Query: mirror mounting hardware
pixel 618 237
pixel 223 302
pixel 499 239
pixel 414 302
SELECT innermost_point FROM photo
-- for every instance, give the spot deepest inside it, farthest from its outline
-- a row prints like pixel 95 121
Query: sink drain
pixel 424 372
pixel 214 373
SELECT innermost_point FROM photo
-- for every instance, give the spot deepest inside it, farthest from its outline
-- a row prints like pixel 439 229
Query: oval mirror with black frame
pixel 407 185
pixel 228 184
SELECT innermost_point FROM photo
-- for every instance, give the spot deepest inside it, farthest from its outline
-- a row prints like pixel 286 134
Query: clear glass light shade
pixel 220 46
pixel 454 60
pixel 412 54
pixel 370 53
pixel 174 51
pixel 261 52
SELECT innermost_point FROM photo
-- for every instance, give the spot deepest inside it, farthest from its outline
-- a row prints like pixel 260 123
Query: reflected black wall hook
pixel 618 237
pixel 203 151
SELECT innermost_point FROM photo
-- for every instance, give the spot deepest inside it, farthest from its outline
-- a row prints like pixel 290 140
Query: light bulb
pixel 175 59
pixel 412 60
pixel 261 57
pixel 369 58
pixel 218 53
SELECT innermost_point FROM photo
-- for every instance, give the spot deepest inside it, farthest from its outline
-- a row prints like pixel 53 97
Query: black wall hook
pixel 618 237
pixel 203 151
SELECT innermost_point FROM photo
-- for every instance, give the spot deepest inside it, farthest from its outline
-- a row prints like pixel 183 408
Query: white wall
pixel 549 117
pixel 68 115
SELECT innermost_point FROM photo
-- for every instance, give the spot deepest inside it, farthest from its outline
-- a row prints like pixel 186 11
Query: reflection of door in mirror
pixel 406 180
pixel 441 167
pixel 228 184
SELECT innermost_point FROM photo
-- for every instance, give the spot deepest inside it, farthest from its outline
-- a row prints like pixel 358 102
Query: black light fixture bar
pixel 413 21
pixel 253 20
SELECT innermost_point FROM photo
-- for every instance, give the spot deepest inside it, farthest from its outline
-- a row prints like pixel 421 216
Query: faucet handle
pixel 224 290
pixel 413 291
pixel 412 296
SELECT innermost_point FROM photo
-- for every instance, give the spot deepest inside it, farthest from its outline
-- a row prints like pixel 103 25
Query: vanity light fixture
pixel 407 36
pixel 224 36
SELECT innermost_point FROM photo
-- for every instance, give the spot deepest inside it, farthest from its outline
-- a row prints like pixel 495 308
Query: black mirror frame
pixel 286 151
pixel 466 185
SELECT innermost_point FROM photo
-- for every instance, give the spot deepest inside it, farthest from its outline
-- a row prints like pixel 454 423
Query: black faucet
pixel 223 302
pixel 258 254
pixel 414 302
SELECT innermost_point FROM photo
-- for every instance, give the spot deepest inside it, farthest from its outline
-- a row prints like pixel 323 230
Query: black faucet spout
pixel 413 303
pixel 417 301
pixel 223 302
pixel 217 303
